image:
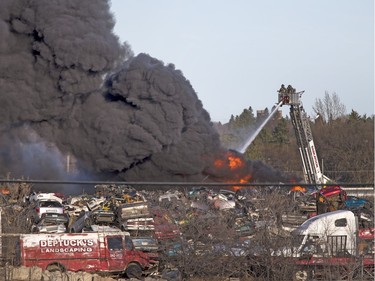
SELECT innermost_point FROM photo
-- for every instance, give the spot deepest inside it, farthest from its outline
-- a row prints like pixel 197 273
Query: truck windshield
pixel 128 243
pixel 297 240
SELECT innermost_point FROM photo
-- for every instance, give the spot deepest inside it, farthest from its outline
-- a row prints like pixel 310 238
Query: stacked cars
pixel 47 215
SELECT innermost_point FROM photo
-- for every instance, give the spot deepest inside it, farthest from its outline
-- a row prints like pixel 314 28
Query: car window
pixel 50 204
pixel 114 243
pixel 341 222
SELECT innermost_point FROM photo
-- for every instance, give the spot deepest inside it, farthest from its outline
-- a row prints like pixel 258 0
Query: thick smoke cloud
pixel 68 87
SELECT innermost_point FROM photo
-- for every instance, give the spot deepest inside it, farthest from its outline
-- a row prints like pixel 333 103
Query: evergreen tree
pixel 280 133
pixel 354 116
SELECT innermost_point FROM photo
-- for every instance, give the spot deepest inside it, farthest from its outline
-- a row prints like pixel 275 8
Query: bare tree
pixel 330 107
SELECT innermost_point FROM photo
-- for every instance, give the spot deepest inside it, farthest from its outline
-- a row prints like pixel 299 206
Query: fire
pixel 235 162
pixel 233 166
pixel 243 180
pixel 219 163
pixel 298 188
pixel 232 162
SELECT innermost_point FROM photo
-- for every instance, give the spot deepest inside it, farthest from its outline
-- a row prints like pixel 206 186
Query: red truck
pixel 90 252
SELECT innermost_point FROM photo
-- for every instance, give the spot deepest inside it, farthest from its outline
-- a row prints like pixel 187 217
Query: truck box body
pixel 90 252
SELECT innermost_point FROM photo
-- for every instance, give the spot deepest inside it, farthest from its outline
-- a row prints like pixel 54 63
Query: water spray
pixel 243 148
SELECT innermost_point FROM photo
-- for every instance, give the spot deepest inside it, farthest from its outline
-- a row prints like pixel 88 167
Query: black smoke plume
pixel 68 88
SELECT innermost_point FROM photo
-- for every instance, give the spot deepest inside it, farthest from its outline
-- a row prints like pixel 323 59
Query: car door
pixel 115 253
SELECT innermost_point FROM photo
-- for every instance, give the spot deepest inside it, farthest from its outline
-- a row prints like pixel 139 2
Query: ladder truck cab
pixel 328 197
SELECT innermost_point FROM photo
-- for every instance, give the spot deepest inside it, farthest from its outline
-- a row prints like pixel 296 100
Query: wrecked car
pixel 133 210
pixel 138 224
pixel 102 216
pixel 148 245
pixel 77 223
pixel 46 206
pixel 101 228
pixel 35 196
pixel 51 223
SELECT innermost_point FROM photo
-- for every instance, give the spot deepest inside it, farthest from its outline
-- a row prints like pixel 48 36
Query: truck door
pixel 115 253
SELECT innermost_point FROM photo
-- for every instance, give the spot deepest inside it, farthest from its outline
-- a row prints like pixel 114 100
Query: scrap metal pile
pixel 157 220
pixel 166 224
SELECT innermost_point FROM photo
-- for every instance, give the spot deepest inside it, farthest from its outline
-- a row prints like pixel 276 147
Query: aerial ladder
pixel 329 197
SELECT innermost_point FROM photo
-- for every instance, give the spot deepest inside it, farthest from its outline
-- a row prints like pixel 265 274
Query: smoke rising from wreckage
pixel 69 87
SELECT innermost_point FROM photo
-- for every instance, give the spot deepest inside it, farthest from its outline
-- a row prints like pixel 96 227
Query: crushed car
pixel 51 223
pixel 78 223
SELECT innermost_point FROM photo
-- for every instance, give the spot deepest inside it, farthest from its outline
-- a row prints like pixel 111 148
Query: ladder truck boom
pixel 305 142
pixel 329 198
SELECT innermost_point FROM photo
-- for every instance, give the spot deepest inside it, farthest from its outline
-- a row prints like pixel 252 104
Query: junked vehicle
pixel 75 210
pixel 35 196
pixel 51 223
pixel 354 202
pixel 46 206
pixel 138 224
pixel 222 202
pixel 148 245
pixel 103 216
pixel 165 229
pixel 96 203
pixel 101 228
pixel 133 210
pixel 84 219
pixel 169 197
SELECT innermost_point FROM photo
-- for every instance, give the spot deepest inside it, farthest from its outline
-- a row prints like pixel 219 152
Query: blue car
pixel 354 202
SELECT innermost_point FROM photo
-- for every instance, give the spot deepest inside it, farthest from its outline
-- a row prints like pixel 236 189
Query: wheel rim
pixel 301 275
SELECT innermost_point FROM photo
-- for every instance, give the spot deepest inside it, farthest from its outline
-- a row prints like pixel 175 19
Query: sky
pixel 236 54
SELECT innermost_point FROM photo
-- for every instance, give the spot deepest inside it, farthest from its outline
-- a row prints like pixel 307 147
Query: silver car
pixel 77 223
pixel 51 223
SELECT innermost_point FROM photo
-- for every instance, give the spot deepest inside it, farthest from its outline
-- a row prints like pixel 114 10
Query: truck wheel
pixel 134 270
pixel 301 275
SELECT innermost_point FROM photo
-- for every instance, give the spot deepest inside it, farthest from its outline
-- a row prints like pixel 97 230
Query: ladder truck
pixel 328 197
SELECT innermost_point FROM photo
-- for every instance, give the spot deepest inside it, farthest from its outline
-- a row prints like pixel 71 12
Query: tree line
pixel 344 142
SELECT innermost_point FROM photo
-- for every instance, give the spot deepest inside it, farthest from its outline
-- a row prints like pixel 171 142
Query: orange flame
pixel 243 180
pixel 219 163
pixel 235 162
pixel 298 188
pixel 231 162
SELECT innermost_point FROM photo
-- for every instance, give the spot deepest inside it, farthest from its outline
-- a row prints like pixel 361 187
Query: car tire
pixel 134 270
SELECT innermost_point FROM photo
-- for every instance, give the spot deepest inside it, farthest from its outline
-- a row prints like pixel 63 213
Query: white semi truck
pixel 332 245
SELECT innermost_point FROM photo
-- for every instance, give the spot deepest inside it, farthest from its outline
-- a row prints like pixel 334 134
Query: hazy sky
pixel 237 53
